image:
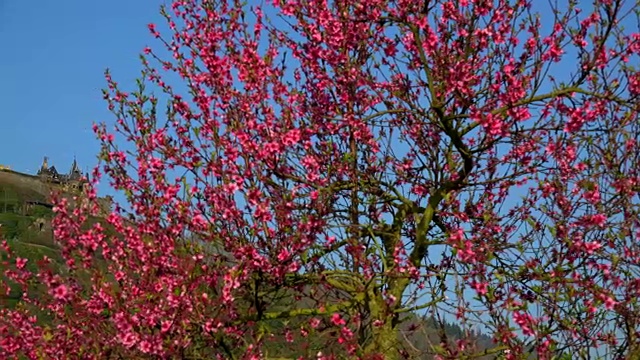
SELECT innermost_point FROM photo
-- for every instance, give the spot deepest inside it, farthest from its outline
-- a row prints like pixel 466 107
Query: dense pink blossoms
pixel 307 173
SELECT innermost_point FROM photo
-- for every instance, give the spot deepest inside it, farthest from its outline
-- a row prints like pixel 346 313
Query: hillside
pixel 25 216
pixel 25 186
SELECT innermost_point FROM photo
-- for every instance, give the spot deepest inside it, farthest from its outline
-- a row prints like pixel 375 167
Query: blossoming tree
pixel 325 167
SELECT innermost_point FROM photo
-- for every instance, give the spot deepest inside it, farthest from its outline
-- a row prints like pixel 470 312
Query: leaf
pixel 438 349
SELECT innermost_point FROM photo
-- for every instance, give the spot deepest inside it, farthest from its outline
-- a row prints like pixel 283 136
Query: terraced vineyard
pixel 25 224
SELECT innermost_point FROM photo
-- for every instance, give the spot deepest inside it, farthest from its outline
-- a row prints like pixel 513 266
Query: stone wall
pixel 30 182
pixel 35 185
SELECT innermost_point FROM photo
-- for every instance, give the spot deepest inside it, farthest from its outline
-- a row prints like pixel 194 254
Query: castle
pixel 74 180
pixel 48 179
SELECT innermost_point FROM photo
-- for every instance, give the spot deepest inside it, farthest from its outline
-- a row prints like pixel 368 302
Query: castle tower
pixel 48 173
pixel 75 173
pixel 44 168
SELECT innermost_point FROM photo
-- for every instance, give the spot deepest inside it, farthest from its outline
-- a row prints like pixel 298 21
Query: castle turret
pixel 75 173
pixel 46 172
pixel 72 180
pixel 45 167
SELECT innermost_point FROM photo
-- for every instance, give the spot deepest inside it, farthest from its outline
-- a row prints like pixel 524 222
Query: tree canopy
pixel 313 171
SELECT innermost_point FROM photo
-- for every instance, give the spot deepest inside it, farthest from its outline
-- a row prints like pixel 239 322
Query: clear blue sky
pixel 53 57
pixel 54 54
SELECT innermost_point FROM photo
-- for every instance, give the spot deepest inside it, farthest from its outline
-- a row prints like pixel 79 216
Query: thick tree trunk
pixel 385 341
pixel 385 336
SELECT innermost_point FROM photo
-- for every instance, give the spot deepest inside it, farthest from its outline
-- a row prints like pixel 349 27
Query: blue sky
pixel 54 54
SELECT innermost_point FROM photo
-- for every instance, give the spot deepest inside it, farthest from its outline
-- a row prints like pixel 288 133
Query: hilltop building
pixel 71 181
pixel 47 179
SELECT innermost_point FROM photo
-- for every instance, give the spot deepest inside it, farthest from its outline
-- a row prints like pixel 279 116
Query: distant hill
pixel 26 210
pixel 25 215
pixel 25 219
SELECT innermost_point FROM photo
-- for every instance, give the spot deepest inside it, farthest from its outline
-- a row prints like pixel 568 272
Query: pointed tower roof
pixel 44 168
pixel 74 167
pixel 75 173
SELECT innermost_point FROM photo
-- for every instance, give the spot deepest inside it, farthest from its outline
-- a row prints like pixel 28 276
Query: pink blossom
pixel 21 262
pixel 337 320
pixel 61 292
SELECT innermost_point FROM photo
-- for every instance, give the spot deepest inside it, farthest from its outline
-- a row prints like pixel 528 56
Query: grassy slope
pixel 27 241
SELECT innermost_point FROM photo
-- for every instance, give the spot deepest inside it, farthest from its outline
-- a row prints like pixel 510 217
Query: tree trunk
pixel 385 337
pixel 385 341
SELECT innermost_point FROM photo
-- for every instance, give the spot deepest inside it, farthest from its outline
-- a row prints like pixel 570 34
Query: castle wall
pixel 43 189
pixel 30 182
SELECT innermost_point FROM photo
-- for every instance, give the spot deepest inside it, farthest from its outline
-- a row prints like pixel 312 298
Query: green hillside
pixel 24 220
pixel 25 217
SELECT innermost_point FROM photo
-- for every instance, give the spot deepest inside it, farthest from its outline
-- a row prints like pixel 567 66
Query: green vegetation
pixel 24 215
pixel 25 223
